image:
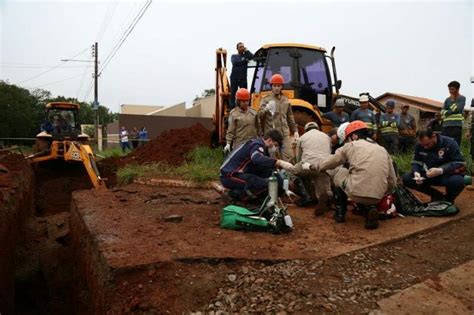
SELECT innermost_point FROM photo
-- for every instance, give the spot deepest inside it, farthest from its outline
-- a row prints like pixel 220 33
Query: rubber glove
pixel 306 166
pixel 284 165
pixel 434 171
pixel 227 148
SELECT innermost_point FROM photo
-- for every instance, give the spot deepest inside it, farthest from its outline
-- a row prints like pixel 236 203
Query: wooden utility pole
pixel 96 92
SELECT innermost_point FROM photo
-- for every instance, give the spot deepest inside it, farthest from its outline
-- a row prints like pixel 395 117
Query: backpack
pixel 409 204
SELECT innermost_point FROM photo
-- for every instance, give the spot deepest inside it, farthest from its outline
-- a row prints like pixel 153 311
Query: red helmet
pixel 277 79
pixel 242 95
pixel 354 126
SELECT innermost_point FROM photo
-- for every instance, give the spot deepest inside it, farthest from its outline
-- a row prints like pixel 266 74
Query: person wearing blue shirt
pixel 238 77
pixel 142 136
pixel 437 162
pixel 452 112
pixel 338 116
pixel 246 170
pixel 364 114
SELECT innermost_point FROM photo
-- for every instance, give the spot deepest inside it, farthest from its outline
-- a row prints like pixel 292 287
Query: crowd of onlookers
pixel 135 137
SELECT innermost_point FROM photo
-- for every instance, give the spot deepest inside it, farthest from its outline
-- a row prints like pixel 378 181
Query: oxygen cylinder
pixel 273 188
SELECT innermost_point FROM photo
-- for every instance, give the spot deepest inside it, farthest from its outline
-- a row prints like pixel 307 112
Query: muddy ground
pixel 193 265
pixel 69 250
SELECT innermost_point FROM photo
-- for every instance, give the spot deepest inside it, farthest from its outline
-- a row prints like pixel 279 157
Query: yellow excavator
pixel 61 139
pixel 311 83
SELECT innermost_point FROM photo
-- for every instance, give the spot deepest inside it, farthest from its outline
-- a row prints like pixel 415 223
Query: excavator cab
pixel 61 121
pixel 308 79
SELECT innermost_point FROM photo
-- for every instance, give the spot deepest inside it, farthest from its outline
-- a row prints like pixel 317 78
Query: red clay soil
pixel 124 236
pixel 55 181
pixel 16 185
pixel 171 147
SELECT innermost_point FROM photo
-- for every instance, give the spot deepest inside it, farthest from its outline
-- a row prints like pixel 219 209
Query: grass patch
pixel 113 152
pixel 203 165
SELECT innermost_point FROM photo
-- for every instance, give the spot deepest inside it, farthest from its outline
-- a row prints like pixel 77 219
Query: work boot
pixel 372 218
pixel 341 205
pixel 322 205
pixel 305 198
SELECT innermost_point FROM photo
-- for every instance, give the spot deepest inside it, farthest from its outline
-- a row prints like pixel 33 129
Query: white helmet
pixel 311 125
pixel 363 98
pixel 341 132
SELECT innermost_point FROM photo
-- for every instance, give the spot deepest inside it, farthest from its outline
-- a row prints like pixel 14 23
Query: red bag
pixel 386 206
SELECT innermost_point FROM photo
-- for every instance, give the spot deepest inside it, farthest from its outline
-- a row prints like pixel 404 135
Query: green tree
pixel 19 111
pixel 205 93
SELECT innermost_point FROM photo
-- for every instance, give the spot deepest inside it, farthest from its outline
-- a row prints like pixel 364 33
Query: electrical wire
pixel 59 81
pixel 106 21
pixel 51 69
pixel 126 34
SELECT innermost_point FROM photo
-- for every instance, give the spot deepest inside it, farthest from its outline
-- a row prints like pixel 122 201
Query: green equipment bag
pixel 409 204
pixel 238 218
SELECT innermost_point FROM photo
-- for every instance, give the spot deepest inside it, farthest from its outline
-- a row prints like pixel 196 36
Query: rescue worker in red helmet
pixel 242 122
pixel 275 113
pixel 368 178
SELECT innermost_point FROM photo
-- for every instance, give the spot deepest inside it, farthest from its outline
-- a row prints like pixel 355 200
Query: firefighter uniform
pixel 242 126
pixel 367 116
pixel 452 114
pixel 389 129
pixel 280 117
pixel 370 174
pixel 445 154
pixel 312 147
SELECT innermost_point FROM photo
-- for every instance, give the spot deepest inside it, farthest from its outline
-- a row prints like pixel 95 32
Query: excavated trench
pixel 37 269
pixel 65 250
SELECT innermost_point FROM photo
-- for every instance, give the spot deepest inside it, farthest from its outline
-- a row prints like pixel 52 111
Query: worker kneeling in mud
pixel 247 169
pixel 369 177
pixel 312 147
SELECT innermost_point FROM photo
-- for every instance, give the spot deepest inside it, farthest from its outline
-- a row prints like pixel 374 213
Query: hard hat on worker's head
pixel 277 79
pixel 339 103
pixel 311 125
pixel 390 103
pixel 354 126
pixel 363 98
pixel 341 132
pixel 242 95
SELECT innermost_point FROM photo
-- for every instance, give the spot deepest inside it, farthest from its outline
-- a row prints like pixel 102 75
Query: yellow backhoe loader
pixel 61 139
pixel 311 83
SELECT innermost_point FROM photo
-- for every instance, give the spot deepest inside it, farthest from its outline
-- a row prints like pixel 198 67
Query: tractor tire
pixel 302 118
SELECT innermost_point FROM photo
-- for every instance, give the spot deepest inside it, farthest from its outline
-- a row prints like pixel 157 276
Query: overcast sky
pixel 409 47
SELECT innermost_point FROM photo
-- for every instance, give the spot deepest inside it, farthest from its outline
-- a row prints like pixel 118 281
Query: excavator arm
pixel 222 96
pixel 72 151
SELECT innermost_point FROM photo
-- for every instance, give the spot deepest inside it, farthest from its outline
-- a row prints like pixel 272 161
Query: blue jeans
pixel 454 184
pixel 242 182
pixel 124 145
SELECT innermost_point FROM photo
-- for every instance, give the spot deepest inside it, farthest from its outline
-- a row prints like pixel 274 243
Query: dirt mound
pixel 172 146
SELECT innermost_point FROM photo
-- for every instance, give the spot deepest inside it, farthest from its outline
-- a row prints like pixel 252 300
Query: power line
pixel 88 91
pixel 51 69
pixel 112 7
pixel 40 67
pixel 126 34
pixel 59 81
